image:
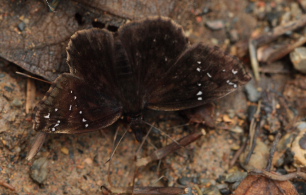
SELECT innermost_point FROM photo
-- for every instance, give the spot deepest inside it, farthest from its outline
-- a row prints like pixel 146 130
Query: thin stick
pixel 162 152
pixel 38 142
pixel 29 76
pixel 237 154
pixel 9 186
pixel 276 177
pixel 149 190
pixel 253 57
pixel 272 151
pixel 254 130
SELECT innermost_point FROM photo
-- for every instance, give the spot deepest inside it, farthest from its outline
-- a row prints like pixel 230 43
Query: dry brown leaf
pixel 259 185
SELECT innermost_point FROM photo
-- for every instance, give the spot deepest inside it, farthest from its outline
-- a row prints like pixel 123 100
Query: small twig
pixel 254 130
pixel 237 154
pixel 277 177
pixel 199 191
pixel 37 144
pixel 253 57
pixel 272 151
pixel 269 37
pixel 29 76
pixel 301 6
pixel 280 30
pixel 283 50
pixel 7 185
pixel 162 152
pixel 149 190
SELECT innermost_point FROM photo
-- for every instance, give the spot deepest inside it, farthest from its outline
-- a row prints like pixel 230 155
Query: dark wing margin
pixel 200 75
pixel 73 106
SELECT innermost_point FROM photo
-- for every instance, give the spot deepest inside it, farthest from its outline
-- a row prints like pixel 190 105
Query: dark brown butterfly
pixel 146 64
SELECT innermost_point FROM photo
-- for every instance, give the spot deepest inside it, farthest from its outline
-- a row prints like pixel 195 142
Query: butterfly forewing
pixel 74 106
pixel 200 75
pixel 91 55
pixel 151 47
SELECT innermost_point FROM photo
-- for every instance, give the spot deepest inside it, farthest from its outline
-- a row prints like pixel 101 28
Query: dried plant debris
pixel 280 31
pixel 35 38
pixel 255 185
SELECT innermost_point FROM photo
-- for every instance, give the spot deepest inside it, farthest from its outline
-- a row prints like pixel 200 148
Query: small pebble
pixel 298 58
pixel 39 170
pixel 302 142
pixel 88 161
pixel 252 92
pixel 8 89
pixel 21 26
pixel 65 150
pixel 16 102
pixel 236 176
pixel 233 36
pixel 215 24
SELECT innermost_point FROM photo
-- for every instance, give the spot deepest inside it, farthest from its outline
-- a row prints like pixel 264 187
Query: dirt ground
pixel 76 164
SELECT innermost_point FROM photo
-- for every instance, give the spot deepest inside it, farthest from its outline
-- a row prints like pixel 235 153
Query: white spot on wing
pixel 199 84
pixel 84 120
pixel 75 97
pixel 56 125
pixel 81 112
pixel 234 71
pixel 199 93
pixel 71 91
pixel 70 107
pixel 199 69
pixel 200 98
pixel 53 129
pixel 199 62
pixel 56 109
pixel 47 116
pixel 231 83
pixel 86 125
pixel 208 75
pixel 166 59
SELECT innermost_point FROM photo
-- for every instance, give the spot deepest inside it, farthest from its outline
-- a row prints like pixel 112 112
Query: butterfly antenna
pixel 136 154
pixel 144 139
pixel 29 76
pixel 39 141
pixel 164 133
pixel 117 145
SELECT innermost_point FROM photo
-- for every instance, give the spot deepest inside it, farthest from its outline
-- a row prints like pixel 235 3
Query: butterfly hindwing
pixel 73 106
pixel 201 74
